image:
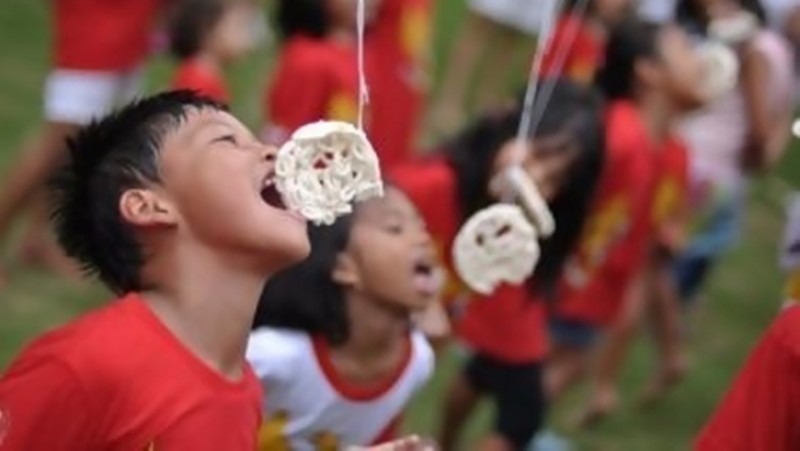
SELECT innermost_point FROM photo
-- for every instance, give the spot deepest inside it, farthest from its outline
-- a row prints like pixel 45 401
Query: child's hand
pixel 412 443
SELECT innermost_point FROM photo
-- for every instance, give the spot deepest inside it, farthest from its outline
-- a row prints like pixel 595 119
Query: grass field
pixel 742 299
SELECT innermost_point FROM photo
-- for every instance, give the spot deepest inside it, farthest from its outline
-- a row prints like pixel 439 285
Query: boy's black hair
pixel 305 297
pixel 629 42
pixel 302 17
pixel 690 15
pixel 115 153
pixel 574 110
pixel 190 24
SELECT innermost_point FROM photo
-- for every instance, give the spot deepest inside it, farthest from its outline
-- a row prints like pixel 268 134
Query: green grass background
pixel 742 299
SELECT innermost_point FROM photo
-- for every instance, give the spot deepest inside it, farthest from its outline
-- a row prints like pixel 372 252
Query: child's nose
pixel 268 152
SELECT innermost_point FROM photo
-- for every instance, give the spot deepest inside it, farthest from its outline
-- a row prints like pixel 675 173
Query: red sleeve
pixel 761 411
pixel 300 91
pixel 43 406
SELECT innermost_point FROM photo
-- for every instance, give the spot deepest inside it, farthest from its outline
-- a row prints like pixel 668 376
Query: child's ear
pixel 146 208
pixel 345 271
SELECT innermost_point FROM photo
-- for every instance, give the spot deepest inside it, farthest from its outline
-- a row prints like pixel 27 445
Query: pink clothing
pixel 716 135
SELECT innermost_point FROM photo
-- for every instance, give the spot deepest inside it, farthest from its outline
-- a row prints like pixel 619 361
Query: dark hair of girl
pixel 628 42
pixel 305 297
pixel 302 17
pixel 190 24
pixel 573 110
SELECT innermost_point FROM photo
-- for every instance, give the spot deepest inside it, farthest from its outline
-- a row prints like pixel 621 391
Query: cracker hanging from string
pixel 496 245
pixel 499 244
pixel 326 166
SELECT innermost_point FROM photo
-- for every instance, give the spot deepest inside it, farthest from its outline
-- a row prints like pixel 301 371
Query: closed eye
pixel 225 138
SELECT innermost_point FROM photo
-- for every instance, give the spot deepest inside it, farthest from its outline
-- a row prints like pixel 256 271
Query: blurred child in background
pixel 740 134
pixel 316 76
pixel 761 408
pixel 99 48
pixel 505 331
pixel 575 50
pixel 205 36
pixel 495 42
pixel 649 77
pixel 400 46
pixel 333 344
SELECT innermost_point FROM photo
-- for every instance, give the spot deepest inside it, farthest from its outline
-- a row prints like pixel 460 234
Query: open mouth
pixel 269 193
pixel 423 269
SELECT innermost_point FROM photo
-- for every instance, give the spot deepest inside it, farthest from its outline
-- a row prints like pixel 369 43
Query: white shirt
pixel 308 408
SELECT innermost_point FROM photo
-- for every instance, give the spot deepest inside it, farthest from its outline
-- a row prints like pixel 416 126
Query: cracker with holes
pixel 720 69
pixel 497 244
pixel 325 167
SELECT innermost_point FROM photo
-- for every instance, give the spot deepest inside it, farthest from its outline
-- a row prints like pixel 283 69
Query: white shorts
pixel 77 96
pixel 522 15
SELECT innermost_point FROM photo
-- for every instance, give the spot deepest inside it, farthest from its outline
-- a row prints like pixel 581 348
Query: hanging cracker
pixel 496 245
pixel 324 168
pixel 721 69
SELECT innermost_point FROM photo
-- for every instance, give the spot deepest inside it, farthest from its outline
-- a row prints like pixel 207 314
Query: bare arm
pixel 754 80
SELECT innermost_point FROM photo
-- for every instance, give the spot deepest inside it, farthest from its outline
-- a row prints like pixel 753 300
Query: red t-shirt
pixel 103 35
pixel 315 79
pixel 613 243
pixel 670 201
pixel 192 74
pixel 575 52
pixel 507 325
pixel 761 411
pixel 117 379
pixel 398 50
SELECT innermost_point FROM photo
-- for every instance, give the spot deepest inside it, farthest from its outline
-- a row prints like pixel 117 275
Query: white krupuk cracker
pixel 734 30
pixel 721 69
pixel 497 244
pixel 324 167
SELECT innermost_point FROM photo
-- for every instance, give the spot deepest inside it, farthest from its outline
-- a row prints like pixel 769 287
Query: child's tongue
pixel 428 283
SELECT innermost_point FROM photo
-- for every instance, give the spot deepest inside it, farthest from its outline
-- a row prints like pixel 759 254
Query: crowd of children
pixel 248 329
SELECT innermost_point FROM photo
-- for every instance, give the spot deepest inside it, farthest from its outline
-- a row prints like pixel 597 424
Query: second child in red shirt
pixel 505 331
pixel 316 77
pixel 648 84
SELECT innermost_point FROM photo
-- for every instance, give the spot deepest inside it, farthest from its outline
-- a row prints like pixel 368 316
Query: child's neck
pixel 209 60
pixel 207 303
pixel 342 35
pixel 377 338
pixel 657 114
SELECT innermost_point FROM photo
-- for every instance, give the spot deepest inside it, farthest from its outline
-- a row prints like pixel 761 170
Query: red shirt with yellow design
pixel 315 79
pixel 574 52
pixel 613 244
pixel 508 324
pixel 670 201
pixel 399 47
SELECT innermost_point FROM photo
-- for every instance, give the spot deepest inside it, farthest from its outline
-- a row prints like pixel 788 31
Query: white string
pixel 548 18
pixel 363 89
pixel 559 62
